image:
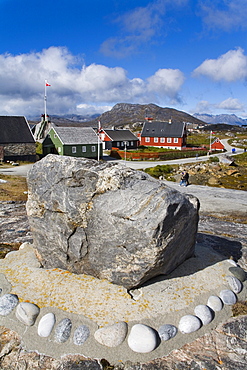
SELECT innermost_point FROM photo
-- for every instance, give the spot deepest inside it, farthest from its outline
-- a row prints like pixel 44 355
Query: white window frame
pixel 162 140
pixel 93 148
pixel 59 149
pixel 156 139
pixel 147 139
pixel 73 149
pixel 83 149
pixel 175 140
pixel 132 143
pixel 169 139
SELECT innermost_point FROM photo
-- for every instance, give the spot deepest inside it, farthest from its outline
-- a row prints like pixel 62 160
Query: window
pixel 131 143
pixel 118 144
pixel 59 149
pixel 162 139
pixel 156 139
pixel 147 139
pixel 73 149
pixel 55 135
pixel 175 140
pixel 93 148
pixel 84 149
pixel 169 139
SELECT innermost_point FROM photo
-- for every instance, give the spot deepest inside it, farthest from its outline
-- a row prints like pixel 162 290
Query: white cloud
pixel 74 85
pixel 230 67
pixel 138 27
pixel 203 106
pixel 231 104
pixel 166 82
pixel 92 109
pixel 224 14
pixel 228 105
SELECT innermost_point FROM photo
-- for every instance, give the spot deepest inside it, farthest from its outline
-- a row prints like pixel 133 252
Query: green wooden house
pixel 73 141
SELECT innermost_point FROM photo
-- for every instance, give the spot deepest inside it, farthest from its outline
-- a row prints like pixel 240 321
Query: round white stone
pixel 204 313
pixel 27 313
pixel 215 303
pixel 228 297
pixel 46 325
pixel 189 324
pixel 235 284
pixel 7 303
pixel 232 262
pixel 112 335
pixel 142 339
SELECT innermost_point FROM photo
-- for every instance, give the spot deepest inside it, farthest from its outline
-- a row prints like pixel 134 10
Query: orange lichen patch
pixel 98 299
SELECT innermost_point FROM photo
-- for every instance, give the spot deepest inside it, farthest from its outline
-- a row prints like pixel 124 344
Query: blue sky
pixel 190 55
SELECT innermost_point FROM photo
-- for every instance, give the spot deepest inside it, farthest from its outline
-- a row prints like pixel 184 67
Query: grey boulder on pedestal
pixel 107 220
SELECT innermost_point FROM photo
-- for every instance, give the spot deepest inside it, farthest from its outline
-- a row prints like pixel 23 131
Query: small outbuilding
pixel 217 145
pixel 73 141
pixel 16 140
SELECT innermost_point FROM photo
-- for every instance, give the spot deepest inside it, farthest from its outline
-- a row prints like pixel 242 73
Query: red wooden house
pixel 217 145
pixel 164 134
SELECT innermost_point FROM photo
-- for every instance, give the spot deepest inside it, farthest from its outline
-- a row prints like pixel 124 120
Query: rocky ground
pixel 223 348
pixel 215 174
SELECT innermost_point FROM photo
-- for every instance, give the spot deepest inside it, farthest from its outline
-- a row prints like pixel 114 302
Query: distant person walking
pixel 184 179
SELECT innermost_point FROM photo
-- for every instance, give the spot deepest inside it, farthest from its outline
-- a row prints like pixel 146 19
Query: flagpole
pixel 45 100
pixel 98 141
pixel 210 141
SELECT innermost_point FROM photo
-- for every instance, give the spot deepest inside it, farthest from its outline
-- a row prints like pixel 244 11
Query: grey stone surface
pixel 215 303
pixel 112 335
pixel 7 303
pixel 228 297
pixel 82 211
pixel 189 324
pixel 167 332
pixel 142 338
pixel 46 324
pixel 238 272
pixel 81 334
pixel 204 313
pixel 235 284
pixel 63 330
pixel 27 313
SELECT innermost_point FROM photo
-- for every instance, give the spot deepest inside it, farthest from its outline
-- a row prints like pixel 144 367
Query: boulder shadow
pixel 209 250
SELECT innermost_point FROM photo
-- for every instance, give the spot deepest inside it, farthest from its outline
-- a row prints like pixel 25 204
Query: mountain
pixel 230 119
pixel 124 115
pixel 133 115
pixel 67 119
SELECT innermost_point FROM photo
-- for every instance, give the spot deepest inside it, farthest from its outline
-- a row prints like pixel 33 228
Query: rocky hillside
pixel 125 115
pixel 229 119
pixel 133 115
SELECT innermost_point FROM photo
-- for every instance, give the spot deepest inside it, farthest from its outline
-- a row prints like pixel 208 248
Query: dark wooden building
pixel 118 139
pixel 73 141
pixel 16 140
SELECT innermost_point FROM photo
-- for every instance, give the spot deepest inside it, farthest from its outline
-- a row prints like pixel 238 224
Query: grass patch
pixel 160 170
pixel 14 189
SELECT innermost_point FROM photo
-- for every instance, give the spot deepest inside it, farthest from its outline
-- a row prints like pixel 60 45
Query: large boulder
pixel 107 220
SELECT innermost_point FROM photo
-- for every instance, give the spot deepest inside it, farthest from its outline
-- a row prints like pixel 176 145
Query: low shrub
pixel 160 170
